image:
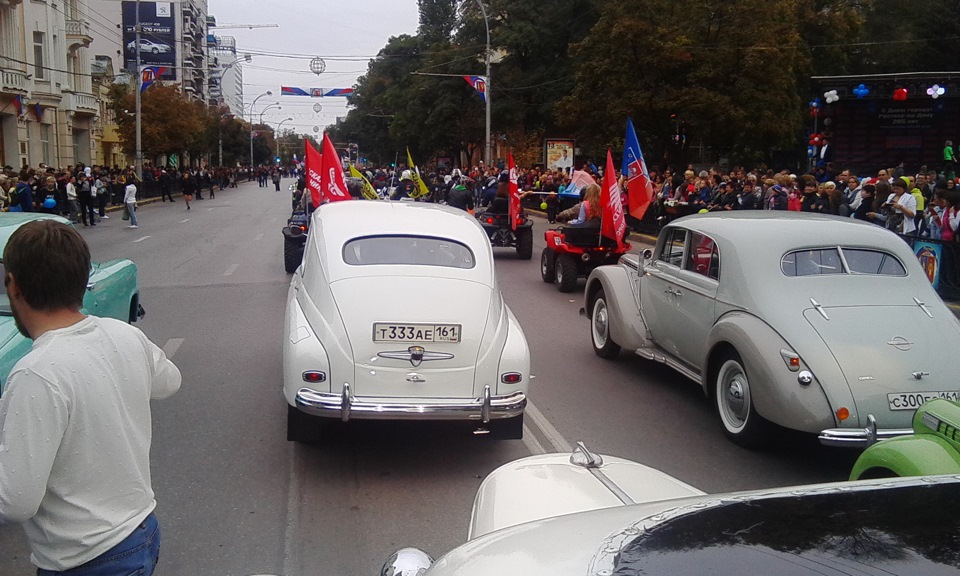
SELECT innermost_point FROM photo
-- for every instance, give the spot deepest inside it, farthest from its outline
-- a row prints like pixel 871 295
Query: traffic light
pixel 278 159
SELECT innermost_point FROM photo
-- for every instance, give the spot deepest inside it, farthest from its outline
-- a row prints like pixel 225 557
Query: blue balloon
pixel 861 91
pixel 49 203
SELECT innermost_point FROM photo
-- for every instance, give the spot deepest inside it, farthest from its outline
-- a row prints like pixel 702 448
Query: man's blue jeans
pixel 136 555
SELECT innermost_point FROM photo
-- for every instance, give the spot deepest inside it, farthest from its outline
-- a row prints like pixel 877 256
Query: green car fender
pixel 917 455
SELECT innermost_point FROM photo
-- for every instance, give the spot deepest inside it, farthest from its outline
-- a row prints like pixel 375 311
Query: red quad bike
pixel 498 229
pixel 572 252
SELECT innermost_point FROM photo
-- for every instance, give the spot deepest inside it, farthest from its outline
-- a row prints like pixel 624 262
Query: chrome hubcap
pixel 736 398
pixel 543 265
pixel 600 323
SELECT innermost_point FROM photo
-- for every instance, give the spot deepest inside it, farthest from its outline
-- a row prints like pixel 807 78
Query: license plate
pixel 913 400
pixel 390 332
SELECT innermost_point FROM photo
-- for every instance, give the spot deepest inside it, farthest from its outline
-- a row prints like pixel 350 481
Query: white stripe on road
pixel 171 347
pixel 293 509
pixel 209 209
pixel 258 236
pixel 231 270
pixel 185 220
pixel 138 240
pixel 551 433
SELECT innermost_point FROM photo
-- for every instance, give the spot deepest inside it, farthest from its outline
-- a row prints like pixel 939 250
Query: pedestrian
pixel 73 207
pixel 130 203
pixel 165 186
pixel 102 184
pixel 85 199
pixel 75 421
pixel 276 179
pixel 186 188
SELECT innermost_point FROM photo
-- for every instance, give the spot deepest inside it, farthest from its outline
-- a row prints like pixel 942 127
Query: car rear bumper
pixel 348 407
pixel 860 437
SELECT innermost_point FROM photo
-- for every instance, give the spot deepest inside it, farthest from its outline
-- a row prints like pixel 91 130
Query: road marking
pixel 171 347
pixel 532 444
pixel 258 236
pixel 293 510
pixel 138 240
pixel 209 209
pixel 231 270
pixel 185 220
pixel 551 433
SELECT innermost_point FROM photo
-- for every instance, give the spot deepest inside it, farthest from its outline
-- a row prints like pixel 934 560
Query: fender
pixel 918 455
pixel 627 327
pixel 777 395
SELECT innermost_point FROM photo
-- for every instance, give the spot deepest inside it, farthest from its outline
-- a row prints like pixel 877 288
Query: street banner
pixel 559 155
pixel 368 191
pixel 333 184
pixel 158 36
pixel 313 162
pixel 315 92
pixel 514 193
pixel 479 84
pixel 639 186
pixel 149 75
pixel 422 189
pixel 613 225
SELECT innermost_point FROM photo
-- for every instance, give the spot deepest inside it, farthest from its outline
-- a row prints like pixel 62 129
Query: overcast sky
pixel 345 34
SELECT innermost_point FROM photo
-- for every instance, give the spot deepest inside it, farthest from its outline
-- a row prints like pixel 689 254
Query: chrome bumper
pixel 347 407
pixel 860 437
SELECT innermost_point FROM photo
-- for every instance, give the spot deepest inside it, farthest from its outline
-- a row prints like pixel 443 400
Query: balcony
pixel 78 34
pixel 82 103
pixel 10 3
pixel 13 81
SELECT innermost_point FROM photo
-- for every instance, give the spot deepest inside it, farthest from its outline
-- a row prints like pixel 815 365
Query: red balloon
pixel 900 94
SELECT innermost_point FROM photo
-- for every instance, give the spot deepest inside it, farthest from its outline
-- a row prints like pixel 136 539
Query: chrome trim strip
pixel 859 437
pixel 485 409
pixel 584 458
pixel 343 405
pixel 923 306
pixel 611 486
pixel 820 309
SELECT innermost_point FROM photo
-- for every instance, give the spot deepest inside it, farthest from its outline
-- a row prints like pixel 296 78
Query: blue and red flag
pixel 479 84
pixel 315 92
pixel 149 75
pixel 634 168
pixel 18 105
pixel 38 110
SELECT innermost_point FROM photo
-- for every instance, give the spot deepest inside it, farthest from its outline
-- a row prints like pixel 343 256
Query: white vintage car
pixel 585 514
pixel 815 323
pixel 395 313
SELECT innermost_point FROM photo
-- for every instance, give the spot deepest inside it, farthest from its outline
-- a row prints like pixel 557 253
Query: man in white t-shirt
pixel 75 419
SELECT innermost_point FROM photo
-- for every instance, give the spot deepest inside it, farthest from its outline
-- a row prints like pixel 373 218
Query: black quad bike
pixel 294 239
pixel 572 252
pixel 501 233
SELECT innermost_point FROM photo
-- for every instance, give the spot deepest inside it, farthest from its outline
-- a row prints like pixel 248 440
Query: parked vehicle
pixel 502 235
pixel 573 252
pixel 560 515
pixel 807 321
pixel 149 46
pixel 441 344
pixel 294 239
pixel 112 292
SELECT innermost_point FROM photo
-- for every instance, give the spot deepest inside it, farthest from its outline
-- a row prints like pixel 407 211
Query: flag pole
pixel 138 86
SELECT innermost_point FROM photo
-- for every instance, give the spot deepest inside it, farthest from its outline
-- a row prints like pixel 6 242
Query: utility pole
pixel 488 155
pixel 138 86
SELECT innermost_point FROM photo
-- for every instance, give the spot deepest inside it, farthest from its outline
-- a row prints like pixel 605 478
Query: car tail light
pixel 843 414
pixel 511 377
pixel 314 376
pixel 489 220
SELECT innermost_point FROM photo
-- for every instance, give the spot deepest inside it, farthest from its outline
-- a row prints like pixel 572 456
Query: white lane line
pixel 209 209
pixel 258 236
pixel 171 347
pixel 293 510
pixel 532 444
pixel 138 240
pixel 231 270
pixel 185 220
pixel 551 433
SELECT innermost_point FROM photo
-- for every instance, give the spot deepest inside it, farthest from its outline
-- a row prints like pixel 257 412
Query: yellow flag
pixel 422 189
pixel 368 191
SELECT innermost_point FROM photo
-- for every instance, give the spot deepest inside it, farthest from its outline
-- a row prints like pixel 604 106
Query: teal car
pixel 933 448
pixel 111 292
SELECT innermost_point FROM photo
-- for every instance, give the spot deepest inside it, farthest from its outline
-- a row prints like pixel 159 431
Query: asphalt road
pixel 235 498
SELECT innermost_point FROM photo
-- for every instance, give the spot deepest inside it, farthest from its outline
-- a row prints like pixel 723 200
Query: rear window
pixel 839 260
pixel 407 250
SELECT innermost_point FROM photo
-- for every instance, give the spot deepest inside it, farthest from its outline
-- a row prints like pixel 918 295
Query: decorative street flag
pixel 613 225
pixel 422 189
pixel 578 181
pixel 18 105
pixel 514 210
pixel 639 186
pixel 368 191
pixel 312 162
pixel 479 84
pixel 315 92
pixel 38 110
pixel 333 185
pixel 149 75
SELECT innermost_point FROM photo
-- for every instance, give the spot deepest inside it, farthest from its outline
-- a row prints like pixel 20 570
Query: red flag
pixel 614 225
pixel 333 183
pixel 312 164
pixel 514 194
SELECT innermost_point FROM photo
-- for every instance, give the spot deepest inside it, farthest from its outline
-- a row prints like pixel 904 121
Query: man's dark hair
pixel 51 263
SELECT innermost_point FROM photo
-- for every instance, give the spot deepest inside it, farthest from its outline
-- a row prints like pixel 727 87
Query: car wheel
pixel 302 427
pixel 292 254
pixel 506 428
pixel 734 402
pixel 548 261
pixel 603 343
pixel 525 243
pixel 565 273
pixel 155 51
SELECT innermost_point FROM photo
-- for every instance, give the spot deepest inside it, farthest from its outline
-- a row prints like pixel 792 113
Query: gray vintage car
pixel 815 323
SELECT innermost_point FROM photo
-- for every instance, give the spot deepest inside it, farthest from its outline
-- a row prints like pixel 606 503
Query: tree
pixel 438 18
pixel 171 123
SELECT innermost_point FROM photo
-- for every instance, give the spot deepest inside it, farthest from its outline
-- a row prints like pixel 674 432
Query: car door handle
pixel 672 292
pixel 91 285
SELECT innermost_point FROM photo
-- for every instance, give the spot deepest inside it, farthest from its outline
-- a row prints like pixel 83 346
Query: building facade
pixel 226 74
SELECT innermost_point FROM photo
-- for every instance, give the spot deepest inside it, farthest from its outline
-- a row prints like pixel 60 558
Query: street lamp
pixel 270 107
pixel 276 135
pixel 488 153
pixel 267 93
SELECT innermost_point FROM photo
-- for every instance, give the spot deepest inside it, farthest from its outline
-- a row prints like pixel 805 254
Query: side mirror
pixel 647 254
pixel 406 562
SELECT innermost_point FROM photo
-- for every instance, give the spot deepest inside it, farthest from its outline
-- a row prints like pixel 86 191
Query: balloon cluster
pixel 814 107
pixel 900 94
pixel 816 138
pixel 831 96
pixel 936 91
pixel 861 91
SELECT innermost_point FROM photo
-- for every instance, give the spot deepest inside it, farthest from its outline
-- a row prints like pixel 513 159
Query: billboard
pixel 559 155
pixel 158 36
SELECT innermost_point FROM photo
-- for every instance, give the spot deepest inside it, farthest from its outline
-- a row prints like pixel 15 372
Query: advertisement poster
pixel 158 39
pixel 559 155
pixel 929 255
